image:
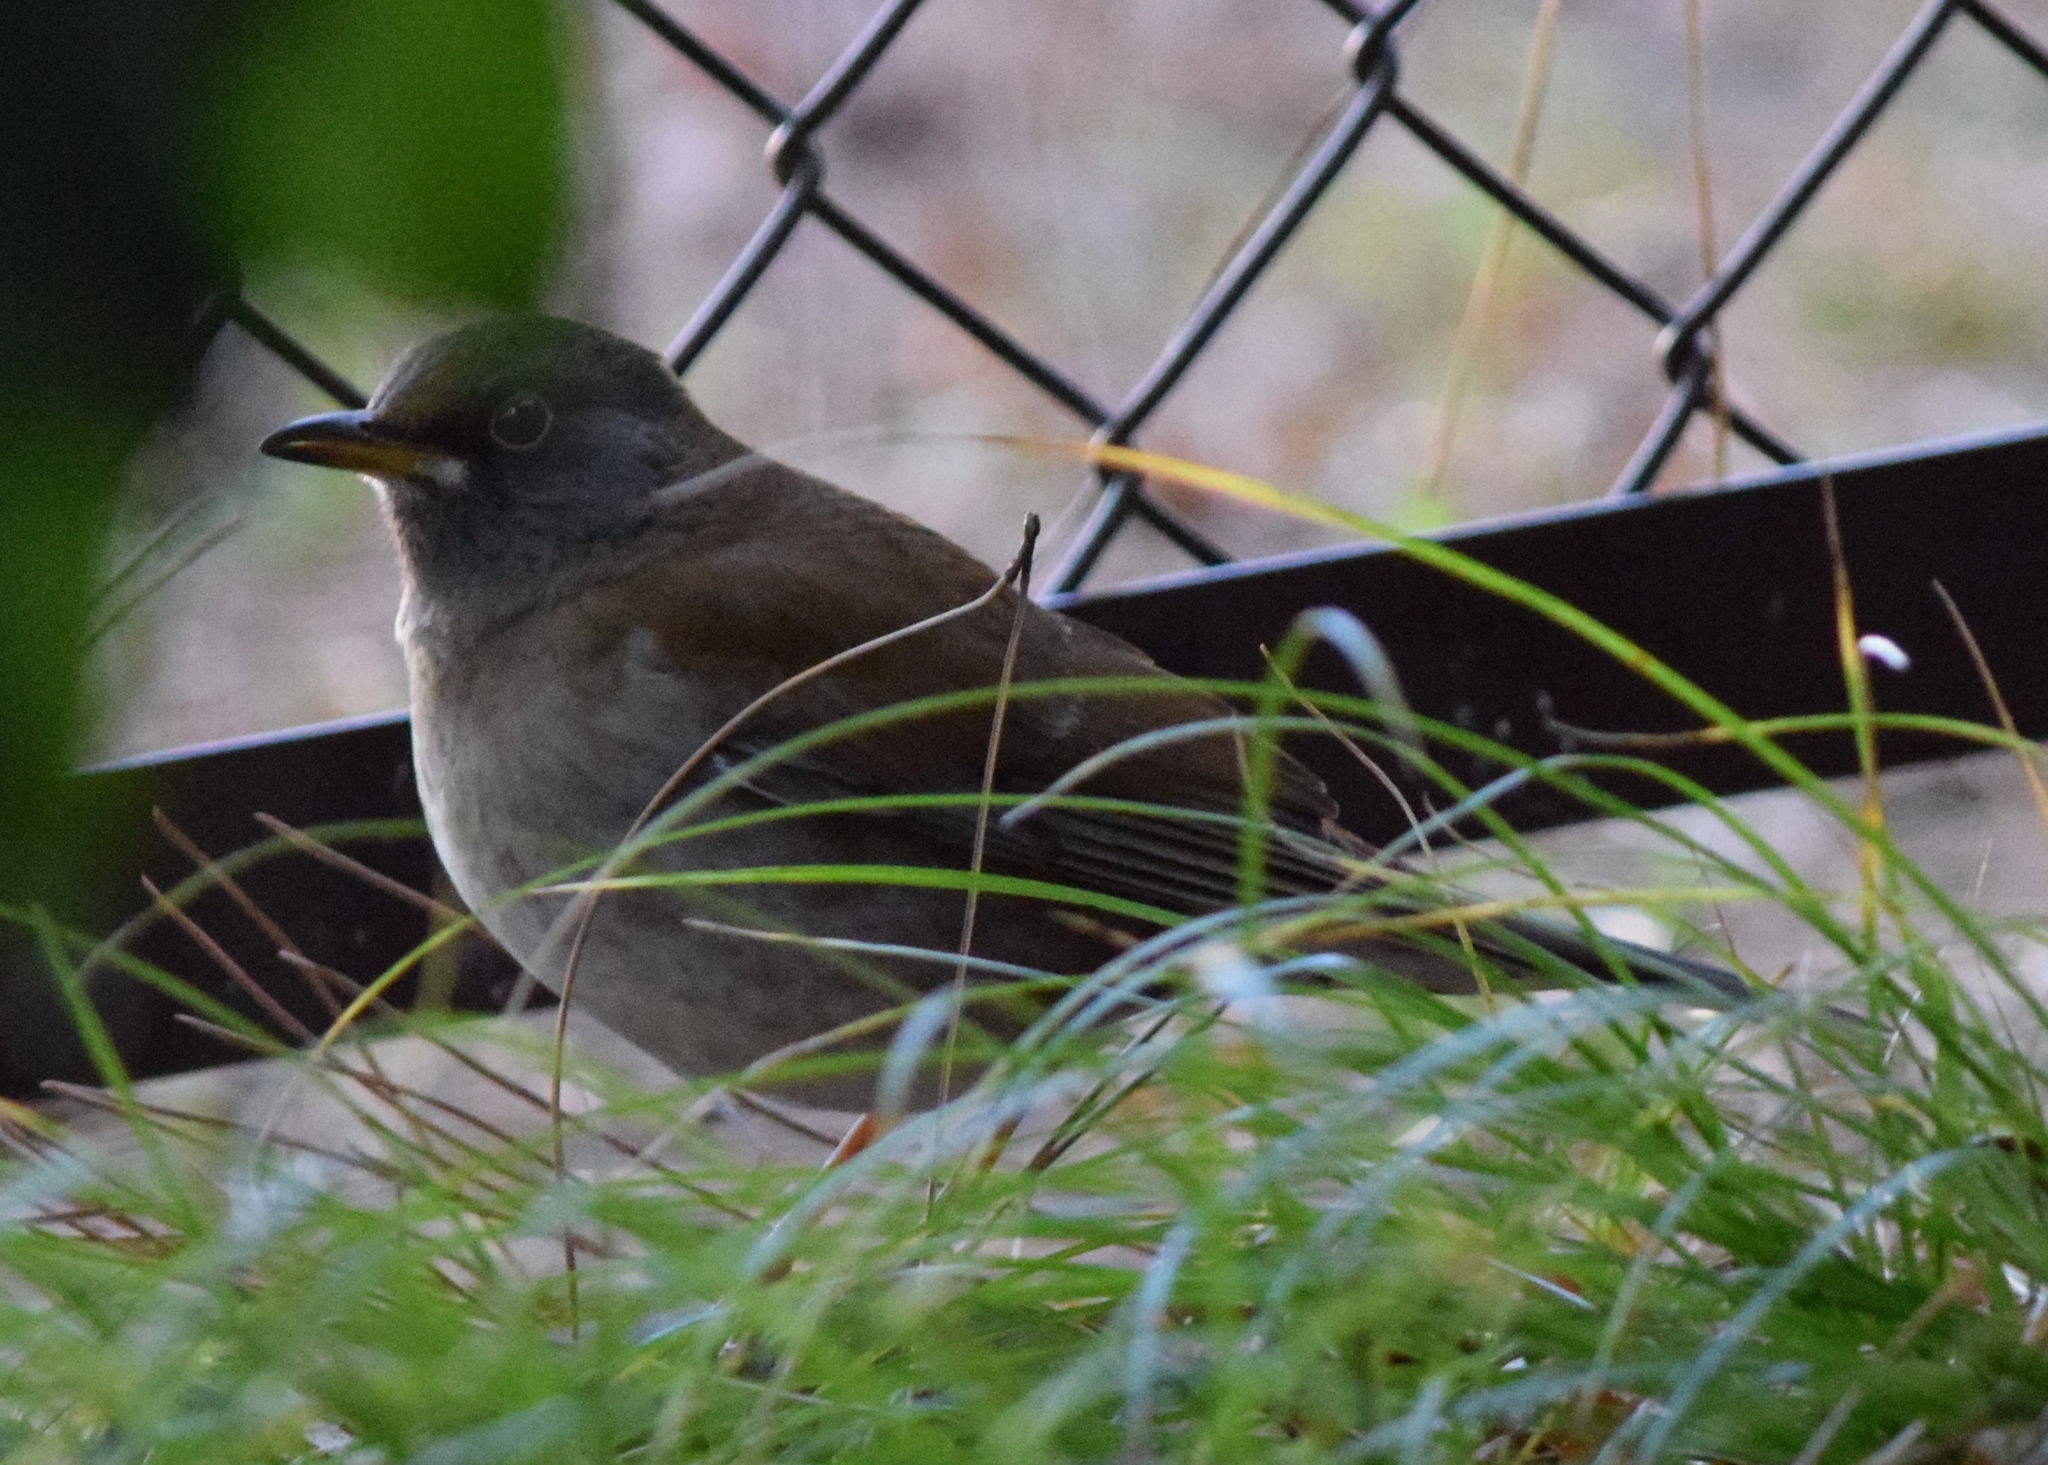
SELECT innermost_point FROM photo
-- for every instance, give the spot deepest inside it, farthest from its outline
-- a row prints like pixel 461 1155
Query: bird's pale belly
pixel 690 972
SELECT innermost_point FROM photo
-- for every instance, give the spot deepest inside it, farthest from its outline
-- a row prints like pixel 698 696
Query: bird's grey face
pixel 504 446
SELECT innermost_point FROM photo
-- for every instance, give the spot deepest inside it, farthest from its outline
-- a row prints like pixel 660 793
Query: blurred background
pixel 1078 170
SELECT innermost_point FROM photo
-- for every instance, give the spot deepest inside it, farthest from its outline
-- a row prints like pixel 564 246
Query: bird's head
pixel 507 445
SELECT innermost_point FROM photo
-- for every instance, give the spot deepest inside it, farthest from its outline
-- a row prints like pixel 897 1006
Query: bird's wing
pixel 1173 855
pixel 747 614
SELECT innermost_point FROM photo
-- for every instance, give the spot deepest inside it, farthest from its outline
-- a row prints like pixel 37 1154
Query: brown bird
pixel 598 579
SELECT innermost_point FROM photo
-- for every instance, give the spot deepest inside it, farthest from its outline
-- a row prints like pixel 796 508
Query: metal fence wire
pixel 1366 43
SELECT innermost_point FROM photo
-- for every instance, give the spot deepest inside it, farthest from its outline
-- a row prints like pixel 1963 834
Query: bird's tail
pixel 1530 949
pixel 1512 938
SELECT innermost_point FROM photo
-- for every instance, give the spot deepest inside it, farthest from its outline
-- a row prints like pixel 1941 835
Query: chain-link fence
pixel 1365 46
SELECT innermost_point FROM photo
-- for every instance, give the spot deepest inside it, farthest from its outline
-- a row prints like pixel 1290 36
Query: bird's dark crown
pixel 451 390
pixel 511 449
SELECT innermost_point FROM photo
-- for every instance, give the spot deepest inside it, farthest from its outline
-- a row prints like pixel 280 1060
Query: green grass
pixel 1582 1227
pixel 1553 1227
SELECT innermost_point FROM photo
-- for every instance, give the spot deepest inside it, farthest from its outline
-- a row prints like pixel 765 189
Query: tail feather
pixel 1531 949
pixel 1708 985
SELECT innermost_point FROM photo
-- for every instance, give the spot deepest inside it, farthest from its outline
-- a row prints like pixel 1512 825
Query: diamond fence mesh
pixel 1365 48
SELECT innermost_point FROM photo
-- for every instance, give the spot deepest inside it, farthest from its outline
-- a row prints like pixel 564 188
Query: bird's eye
pixel 521 423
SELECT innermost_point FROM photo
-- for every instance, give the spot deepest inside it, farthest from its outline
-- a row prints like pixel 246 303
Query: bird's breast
pixel 538 748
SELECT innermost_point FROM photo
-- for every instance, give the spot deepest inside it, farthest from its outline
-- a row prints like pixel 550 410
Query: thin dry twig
pixel 111 1103
pixel 533 1100
pixel 2029 766
pixel 1493 258
pixel 327 854
pixel 1703 199
pixel 277 1012
pixel 977 856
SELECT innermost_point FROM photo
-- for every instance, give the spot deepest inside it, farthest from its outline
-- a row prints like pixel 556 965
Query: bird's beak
pixel 352 440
